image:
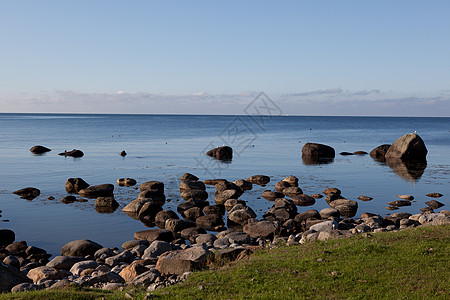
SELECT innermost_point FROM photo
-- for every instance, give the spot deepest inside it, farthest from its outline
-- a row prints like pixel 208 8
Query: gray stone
pixel 408 147
pixel 82 265
pixel 23 287
pixel 131 244
pixel 10 277
pixel 325 226
pixel 110 277
pixel 80 248
pixel 222 243
pixel 147 278
pixel 239 238
pixel 125 256
pixel 434 219
pixel 156 249
pixel 262 229
pixel 205 238
pixel 64 262
pixel 181 261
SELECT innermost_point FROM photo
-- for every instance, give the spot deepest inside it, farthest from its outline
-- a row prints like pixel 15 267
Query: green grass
pixel 411 264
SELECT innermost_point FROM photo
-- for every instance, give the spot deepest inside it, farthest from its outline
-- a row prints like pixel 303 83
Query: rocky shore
pixel 199 234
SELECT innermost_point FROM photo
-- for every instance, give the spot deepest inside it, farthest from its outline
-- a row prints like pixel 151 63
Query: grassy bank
pixel 412 264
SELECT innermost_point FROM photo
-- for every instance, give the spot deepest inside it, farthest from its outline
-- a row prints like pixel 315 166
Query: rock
pixel 434 195
pixel 364 198
pixel 45 272
pixel 149 210
pixel 131 244
pixel 259 179
pixel 7 237
pixel 12 261
pixel 292 180
pixel 303 200
pixel 262 229
pixel 146 278
pixel 309 214
pixel 230 203
pixel 132 271
pixel 222 243
pixel 181 261
pixel 31 250
pixel 17 248
pixel 224 153
pixel 109 277
pixel 194 195
pixel 347 208
pixel 325 226
pixel 434 204
pixel 241 216
pixel 106 204
pixel 408 147
pixel 78 267
pixel 210 222
pixel 188 176
pixel 399 203
pixel 329 191
pixel 126 182
pixel 360 153
pixel 39 149
pixel 379 152
pixel 10 277
pixel 205 238
pixel 239 238
pixel 243 184
pixel 345 153
pixel 74 185
pixel 218 209
pixel 152 185
pixel 28 193
pixel 24 287
pixel 135 206
pixel 154 234
pixel 406 197
pixel 63 284
pixel 293 191
pixel 80 248
pixel 72 153
pixel 317 196
pixel 315 150
pixel 213 181
pixel 280 186
pixel 156 249
pixel 164 215
pixel 95 191
pixel 105 252
pixel 192 233
pixel 391 207
pixel 329 212
pixel 271 195
pixel 182 207
pixel 434 219
pixel 124 257
pixel 123 153
pixel 177 225
pixel 68 199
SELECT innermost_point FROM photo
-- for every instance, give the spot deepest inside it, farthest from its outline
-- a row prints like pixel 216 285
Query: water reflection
pixel 308 160
pixel 409 170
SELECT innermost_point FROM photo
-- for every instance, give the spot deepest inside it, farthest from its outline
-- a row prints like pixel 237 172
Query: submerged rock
pixel 39 149
pixel 72 153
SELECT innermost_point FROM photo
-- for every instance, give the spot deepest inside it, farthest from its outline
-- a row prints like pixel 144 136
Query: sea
pixel 164 147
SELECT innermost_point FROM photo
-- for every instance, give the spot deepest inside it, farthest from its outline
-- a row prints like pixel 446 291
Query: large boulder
pixel 10 277
pixel 262 229
pixel 315 150
pixel 224 153
pixel 408 147
pixel 154 234
pixel 210 222
pixel 181 261
pixel 379 152
pixel 39 149
pixel 80 248
pixel 95 191
pixel 64 262
pixel 45 272
pixel 6 237
pixel 152 185
pixel 74 185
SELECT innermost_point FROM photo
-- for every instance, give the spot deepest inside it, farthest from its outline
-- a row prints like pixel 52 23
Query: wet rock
pixel 364 198
pixel 74 185
pixel 303 200
pixel 360 153
pixel 317 196
pixel 28 193
pixel 12 261
pixel 213 181
pixel 292 191
pixel 241 216
pixel 210 222
pixel 427 210
pixel 315 150
pixel 64 262
pixel 347 208
pixel 192 185
pixel 221 197
pixel 292 180
pixel 181 261
pixel 271 195
pixel 391 207
pixel 7 237
pixel 281 186
pixel 72 153
pixel 399 203
pixel 408 147
pixel 188 176
pixel 434 204
pixel 162 216
pixel 434 195
pixel 243 184
pixel 224 153
pixel 346 153
pixel 123 153
pixel 135 206
pixel 230 203
pixel 95 191
pixel 154 234
pixel 126 182
pixel 106 204
pixel 80 248
pixel 68 199
pixel 259 179
pixel 406 197
pixel 39 149
pixel 262 229
pixel 193 213
pixel 149 210
pixel 329 191
pixel 379 152
pixel 45 272
pixel 152 185
pixel 17 248
pixel 194 195
pixel 218 209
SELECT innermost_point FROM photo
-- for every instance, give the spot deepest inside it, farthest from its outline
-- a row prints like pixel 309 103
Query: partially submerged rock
pixel 408 147
pixel 74 185
pixel 315 150
pixel 95 191
pixel 39 149
pixel 224 153
pixel 28 193
pixel 72 153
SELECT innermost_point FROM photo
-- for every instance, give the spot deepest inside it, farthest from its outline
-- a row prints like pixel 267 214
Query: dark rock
pixel 292 180
pixel 182 207
pixel 243 184
pixel 281 185
pixel 152 185
pixel 154 234
pixel 74 185
pixel 39 149
pixel 379 152
pixel 146 278
pixel 434 195
pixel 315 150
pixel 177 225
pixel 188 176
pixel 309 214
pixel 68 199
pixel 329 212
pixel 271 196
pixel 12 261
pixel 123 153
pixel 427 210
pixel 10 277
pixel 181 261
pixel 224 153
pixel 28 193
pixel 95 191
pixel 156 249
pixel 230 203
pixel 408 169
pixel 210 222
pixel 218 209
pixel 192 233
pixel 317 196
pixel 80 248
pixel 293 191
pixel 106 204
pixel 7 237
pixel 31 250
pixel 72 153
pixel 126 182
pixel 194 195
pixel 241 216
pixel 17 248
pixel 329 191
pixel 193 213
pixel 391 207
pixel 303 200
pixel 399 203
pixel 213 181
pixel 103 278
pixel 154 195
pixel 408 147
pixel 434 204
pixel 64 262
pixel 259 179
pixel 364 198
pixel 347 208
pixel 128 245
pixel 262 229
pixel 192 185
pixel 222 197
pixel 226 185
pixel 162 216
pixel 149 210
pixel 360 153
pixel 346 153
pixel 24 287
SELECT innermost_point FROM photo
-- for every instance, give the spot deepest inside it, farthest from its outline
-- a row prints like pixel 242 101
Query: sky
pixel 352 57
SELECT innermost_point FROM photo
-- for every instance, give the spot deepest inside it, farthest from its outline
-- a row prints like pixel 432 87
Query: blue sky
pixel 311 57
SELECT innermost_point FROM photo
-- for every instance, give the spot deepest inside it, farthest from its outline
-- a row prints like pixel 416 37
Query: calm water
pixel 163 147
